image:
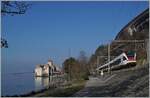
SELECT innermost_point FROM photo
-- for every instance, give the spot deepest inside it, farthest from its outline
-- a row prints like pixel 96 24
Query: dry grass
pixel 63 91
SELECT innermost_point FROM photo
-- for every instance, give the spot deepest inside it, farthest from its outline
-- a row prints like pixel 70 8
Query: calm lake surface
pixel 22 83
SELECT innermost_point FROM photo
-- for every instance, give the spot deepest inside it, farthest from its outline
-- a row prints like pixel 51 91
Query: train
pixel 124 60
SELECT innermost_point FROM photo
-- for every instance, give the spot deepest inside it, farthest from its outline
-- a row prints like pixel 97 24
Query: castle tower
pixel 51 67
pixel 50 62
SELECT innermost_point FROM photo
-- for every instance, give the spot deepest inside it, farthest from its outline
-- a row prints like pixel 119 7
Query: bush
pixel 85 77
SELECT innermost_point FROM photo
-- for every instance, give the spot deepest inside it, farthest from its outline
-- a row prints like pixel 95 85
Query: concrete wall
pixel 38 71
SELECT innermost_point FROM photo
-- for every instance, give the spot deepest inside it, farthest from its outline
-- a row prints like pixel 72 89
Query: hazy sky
pixel 48 29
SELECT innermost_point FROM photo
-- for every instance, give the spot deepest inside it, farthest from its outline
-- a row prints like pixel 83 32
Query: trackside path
pixel 130 83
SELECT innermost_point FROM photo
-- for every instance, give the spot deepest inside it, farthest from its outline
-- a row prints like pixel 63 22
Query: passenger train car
pixel 124 60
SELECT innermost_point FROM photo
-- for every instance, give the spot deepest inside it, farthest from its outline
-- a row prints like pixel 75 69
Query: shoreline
pixel 36 91
pixel 60 91
pixel 29 93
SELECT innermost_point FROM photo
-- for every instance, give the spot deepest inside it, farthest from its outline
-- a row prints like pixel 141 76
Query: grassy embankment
pixel 66 91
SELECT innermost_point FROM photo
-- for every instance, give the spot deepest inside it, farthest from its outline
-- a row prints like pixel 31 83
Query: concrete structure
pixel 46 69
pixel 38 70
pixel 138 26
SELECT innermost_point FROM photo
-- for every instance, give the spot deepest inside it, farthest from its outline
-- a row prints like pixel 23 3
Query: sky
pixel 48 30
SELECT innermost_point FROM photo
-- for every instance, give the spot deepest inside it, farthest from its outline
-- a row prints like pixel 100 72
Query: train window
pixel 117 62
pixel 124 58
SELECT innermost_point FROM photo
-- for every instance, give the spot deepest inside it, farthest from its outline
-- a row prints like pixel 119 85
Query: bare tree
pixel 4 43
pixel 72 68
pixel 82 57
pixel 12 8
pixel 83 60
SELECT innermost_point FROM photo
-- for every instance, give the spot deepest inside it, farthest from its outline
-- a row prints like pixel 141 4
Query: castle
pixel 48 69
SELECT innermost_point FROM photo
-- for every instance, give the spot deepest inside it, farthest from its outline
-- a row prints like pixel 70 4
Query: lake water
pixel 13 84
